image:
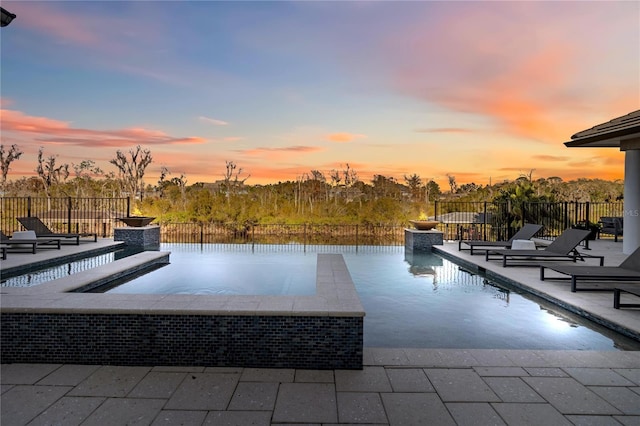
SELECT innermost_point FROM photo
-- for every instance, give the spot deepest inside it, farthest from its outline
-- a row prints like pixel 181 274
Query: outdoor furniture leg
pixel 617 292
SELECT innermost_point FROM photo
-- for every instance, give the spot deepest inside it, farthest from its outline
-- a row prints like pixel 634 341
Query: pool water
pixel 421 301
pixel 207 269
pixel 429 302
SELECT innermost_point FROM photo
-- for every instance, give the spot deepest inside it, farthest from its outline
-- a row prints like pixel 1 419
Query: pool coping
pixel 335 294
pixel 46 262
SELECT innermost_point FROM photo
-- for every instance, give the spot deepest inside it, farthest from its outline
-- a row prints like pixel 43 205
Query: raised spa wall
pixel 49 323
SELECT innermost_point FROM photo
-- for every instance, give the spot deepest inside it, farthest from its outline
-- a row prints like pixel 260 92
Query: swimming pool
pixel 419 300
pixel 211 270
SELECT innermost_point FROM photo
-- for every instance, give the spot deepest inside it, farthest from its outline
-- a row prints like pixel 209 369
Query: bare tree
pixel 49 173
pixel 529 175
pixel 6 158
pixel 452 183
pixel 232 180
pixel 350 176
pixel 163 182
pixel 336 178
pixel 131 169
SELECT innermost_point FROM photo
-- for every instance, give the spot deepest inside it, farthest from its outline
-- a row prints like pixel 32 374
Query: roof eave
pixel 604 140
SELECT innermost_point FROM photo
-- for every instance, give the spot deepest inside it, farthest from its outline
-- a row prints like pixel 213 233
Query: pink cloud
pixel 82 27
pixel 5 102
pixel 58 132
pixel 127 43
pixel 63 25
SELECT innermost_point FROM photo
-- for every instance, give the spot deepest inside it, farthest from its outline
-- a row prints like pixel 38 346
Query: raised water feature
pixel 52 323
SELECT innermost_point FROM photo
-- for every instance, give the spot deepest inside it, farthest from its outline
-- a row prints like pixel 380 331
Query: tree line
pixel 338 196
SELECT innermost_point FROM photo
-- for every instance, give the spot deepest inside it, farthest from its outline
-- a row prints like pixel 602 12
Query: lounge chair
pixel 628 270
pixel 18 244
pixel 612 226
pixel 562 248
pixel 524 233
pixel 41 230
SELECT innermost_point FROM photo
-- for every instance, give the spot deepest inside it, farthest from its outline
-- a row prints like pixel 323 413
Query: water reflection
pixel 422 264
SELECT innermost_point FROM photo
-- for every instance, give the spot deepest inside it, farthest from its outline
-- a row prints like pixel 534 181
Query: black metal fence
pixel 300 235
pixel 458 220
pixel 99 215
pixel 499 221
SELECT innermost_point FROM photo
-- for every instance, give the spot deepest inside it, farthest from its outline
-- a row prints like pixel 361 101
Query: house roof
pixel 613 133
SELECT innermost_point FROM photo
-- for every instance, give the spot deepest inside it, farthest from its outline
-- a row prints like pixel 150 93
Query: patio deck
pixel 396 386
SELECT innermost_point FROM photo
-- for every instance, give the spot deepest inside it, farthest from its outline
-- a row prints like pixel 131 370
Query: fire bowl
pixel 137 221
pixel 424 225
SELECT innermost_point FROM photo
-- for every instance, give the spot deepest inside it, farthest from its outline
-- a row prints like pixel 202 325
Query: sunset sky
pixel 484 91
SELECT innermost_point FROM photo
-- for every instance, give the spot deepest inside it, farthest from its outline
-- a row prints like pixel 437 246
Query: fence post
pixel 484 222
pixel 435 209
pixel 69 215
pixel 29 207
pixel 566 216
pixel 201 226
pixel 587 214
pixel 304 238
pixel 128 206
pixel 509 210
pixel 356 238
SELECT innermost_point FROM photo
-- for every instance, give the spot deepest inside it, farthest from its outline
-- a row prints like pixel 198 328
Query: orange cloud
pixel 281 150
pixel 343 137
pixel 550 157
pixel 530 74
pixel 61 133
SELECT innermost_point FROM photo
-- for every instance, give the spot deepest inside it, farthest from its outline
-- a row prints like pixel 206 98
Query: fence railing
pixel 458 220
pixel 99 215
pixel 301 235
pixel 499 221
